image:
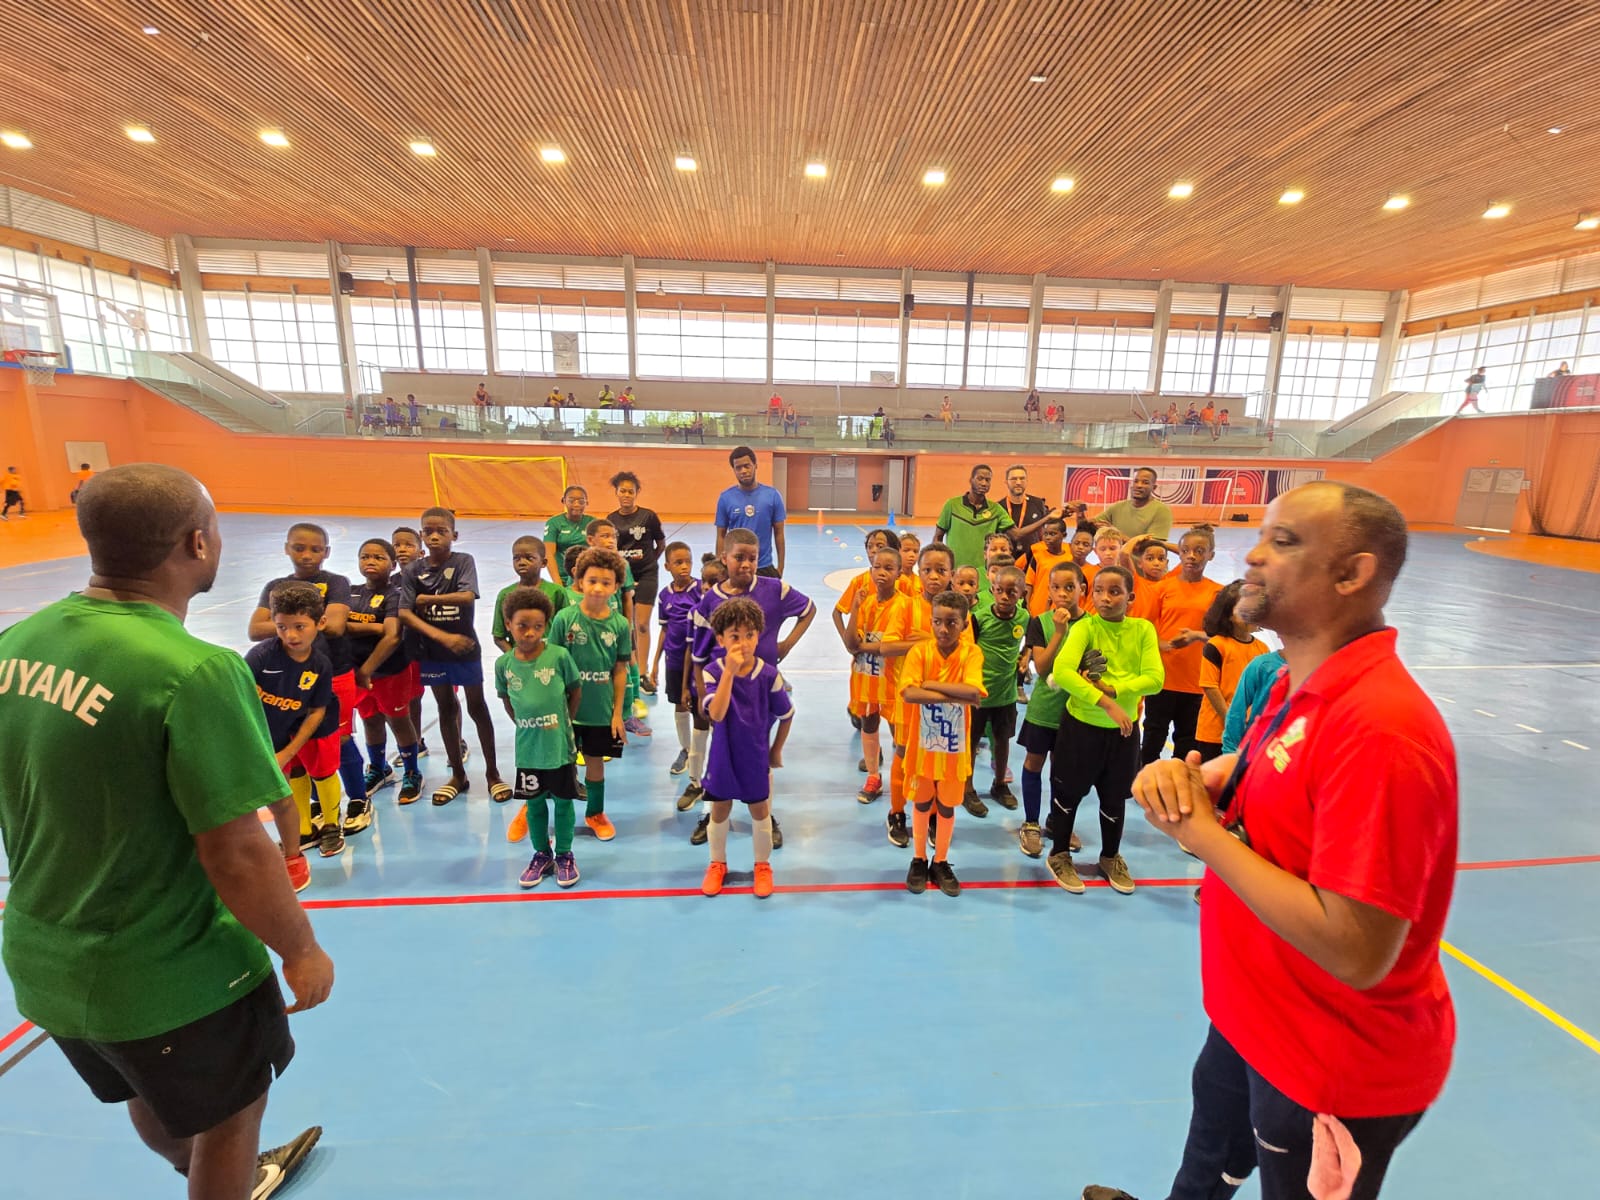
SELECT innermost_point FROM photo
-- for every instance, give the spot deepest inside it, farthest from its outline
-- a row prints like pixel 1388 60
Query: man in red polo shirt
pixel 1331 1023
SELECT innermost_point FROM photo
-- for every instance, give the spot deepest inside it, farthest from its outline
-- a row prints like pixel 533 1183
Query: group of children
pixel 940 659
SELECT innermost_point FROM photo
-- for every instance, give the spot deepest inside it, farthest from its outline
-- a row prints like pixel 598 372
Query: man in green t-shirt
pixel 1141 512
pixel 134 762
pixel 967 520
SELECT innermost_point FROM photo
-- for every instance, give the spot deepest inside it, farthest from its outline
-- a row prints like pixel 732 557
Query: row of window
pixel 290 343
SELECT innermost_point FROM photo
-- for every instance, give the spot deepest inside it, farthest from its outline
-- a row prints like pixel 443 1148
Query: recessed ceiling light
pixel 552 154
pixel 934 178
pixel 1587 221
pixel 151 31
pixel 1292 196
pixel 1063 183
pixel 274 137
pixel 1038 77
pixel 1181 191
pixel 139 133
pixel 1495 211
pixel 684 163
pixel 1396 203
pixel 816 170
pixel 423 149
pixel 15 140
pixel 1554 129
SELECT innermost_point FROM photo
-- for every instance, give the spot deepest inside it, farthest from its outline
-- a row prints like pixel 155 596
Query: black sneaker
pixel 917 877
pixel 945 878
pixel 777 835
pixel 357 816
pixel 692 795
pixel 378 777
pixel 973 802
pixel 274 1167
pixel 314 838
pixel 410 787
pixel 1003 796
pixel 330 842
pixel 899 829
pixel 702 830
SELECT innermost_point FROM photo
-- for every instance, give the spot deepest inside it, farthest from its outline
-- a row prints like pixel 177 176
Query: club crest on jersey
pixel 513 682
pixel 544 675
pixel 636 532
pixel 749 510
pixel 609 638
pixel 1278 748
pixel 308 680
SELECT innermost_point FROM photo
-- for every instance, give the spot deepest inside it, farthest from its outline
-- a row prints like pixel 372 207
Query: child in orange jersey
pixel 935 565
pixel 1046 554
pixel 910 548
pixel 1232 645
pixel 877 634
pixel 1179 614
pixel 860 585
pixel 940 681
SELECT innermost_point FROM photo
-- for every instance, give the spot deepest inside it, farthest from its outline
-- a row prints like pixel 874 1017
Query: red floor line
pixel 555 894
pixel 15 1036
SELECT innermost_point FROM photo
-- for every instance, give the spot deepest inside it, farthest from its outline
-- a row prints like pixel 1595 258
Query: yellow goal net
pixel 479 485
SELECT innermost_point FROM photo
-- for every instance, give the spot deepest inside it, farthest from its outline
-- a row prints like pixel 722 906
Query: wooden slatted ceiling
pixel 1348 99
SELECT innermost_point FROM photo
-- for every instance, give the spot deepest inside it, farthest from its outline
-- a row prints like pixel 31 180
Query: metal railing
pixel 1376 417
pixel 222 388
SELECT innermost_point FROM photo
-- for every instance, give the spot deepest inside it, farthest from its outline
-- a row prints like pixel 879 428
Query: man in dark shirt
pixel 1028 513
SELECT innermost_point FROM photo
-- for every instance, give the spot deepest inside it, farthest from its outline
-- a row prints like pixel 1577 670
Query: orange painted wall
pixel 388 475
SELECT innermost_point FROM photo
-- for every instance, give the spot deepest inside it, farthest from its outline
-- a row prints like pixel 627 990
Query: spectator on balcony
pixel 1030 406
pixel 554 399
pixel 626 402
pixel 572 400
pixel 607 397
pixel 1158 429
pixel 391 414
pixel 1051 413
pixel 1561 372
pixel 1172 414
pixel 1208 418
pixel 1474 390
pixel 481 398
pixel 413 414
pixel 791 420
pixel 888 432
pixel 774 408
pixel 696 429
pixel 1222 422
pixel 947 412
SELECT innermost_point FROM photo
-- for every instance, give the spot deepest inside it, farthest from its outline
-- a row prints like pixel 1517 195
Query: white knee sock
pixel 718 841
pixel 761 838
pixel 685 724
pixel 699 739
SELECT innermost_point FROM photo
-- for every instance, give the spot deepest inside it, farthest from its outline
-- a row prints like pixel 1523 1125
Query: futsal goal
pixel 1213 494
pixel 482 485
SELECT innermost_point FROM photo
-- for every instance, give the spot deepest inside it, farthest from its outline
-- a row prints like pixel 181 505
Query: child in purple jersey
pixel 747 696
pixel 675 606
pixel 712 573
pixel 741 552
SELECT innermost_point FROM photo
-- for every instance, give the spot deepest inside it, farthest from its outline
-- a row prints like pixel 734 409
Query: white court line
pixel 224 604
pixel 1574 745
pixel 1529 728
pixel 1575 666
pixel 1594 612
pixel 1482 713
pixel 1444 700
pixel 30 574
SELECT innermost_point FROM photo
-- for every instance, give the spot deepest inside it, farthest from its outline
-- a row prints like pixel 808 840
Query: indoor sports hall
pixel 344 264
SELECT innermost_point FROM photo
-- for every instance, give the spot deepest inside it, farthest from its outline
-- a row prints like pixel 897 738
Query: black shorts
pixel 999 722
pixel 1093 756
pixel 710 799
pixel 1037 739
pixel 671 682
pixel 537 782
pixel 596 741
pixel 1208 750
pixel 769 572
pixel 196 1076
pixel 645 589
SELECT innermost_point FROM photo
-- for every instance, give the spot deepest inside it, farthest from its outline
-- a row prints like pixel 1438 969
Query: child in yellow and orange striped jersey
pixel 876 635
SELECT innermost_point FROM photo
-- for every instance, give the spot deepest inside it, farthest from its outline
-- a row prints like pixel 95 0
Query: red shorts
pixel 319 756
pixel 413 677
pixel 348 695
pixel 390 696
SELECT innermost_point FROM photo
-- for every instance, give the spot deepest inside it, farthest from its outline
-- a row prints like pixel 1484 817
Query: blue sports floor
pixel 845 1038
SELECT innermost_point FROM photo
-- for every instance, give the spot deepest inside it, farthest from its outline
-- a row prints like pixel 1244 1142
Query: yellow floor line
pixel 1511 989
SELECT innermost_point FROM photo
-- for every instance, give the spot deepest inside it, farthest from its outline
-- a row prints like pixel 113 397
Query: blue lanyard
pixel 1247 753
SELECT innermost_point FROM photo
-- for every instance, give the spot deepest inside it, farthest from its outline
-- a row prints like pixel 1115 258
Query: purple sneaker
pixel 540 865
pixel 566 870
pixel 637 727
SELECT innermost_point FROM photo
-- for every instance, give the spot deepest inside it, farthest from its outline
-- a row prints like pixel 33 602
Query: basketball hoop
pixel 40 365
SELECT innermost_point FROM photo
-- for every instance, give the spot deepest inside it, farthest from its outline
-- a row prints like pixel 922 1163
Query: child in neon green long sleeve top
pixel 1095 746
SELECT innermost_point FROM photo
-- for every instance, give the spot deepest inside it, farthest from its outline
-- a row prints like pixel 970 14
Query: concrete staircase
pixel 197 401
pixel 1390 437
